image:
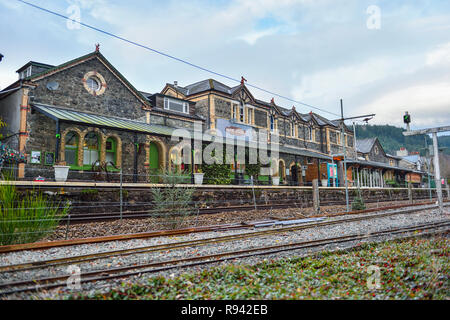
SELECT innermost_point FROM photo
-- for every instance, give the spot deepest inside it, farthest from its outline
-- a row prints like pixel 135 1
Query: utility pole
pixel 437 171
pixel 342 119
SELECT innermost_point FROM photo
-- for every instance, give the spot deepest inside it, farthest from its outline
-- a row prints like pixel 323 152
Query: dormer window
pixel 25 73
pixel 176 105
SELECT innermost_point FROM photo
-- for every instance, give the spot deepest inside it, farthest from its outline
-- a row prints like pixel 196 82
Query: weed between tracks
pixel 410 269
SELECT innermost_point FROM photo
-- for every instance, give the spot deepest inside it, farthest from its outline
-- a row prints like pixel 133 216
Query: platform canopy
pixel 96 120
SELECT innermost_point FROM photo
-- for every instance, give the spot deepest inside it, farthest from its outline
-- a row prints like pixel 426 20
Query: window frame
pixel 89 166
pixel 185 105
pixel 112 151
pixel 71 147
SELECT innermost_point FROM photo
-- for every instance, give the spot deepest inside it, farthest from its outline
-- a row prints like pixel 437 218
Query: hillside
pixel 392 139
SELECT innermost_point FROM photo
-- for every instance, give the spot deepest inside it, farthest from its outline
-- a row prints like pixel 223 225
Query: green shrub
pixel 358 202
pixel 174 202
pixel 27 218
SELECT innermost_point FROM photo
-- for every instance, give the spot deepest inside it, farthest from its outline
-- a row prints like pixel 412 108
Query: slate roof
pixel 381 165
pixel 37 64
pixel 413 158
pixel 211 84
pixel 365 145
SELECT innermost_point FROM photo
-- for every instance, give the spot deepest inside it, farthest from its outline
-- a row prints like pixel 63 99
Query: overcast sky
pixel 383 57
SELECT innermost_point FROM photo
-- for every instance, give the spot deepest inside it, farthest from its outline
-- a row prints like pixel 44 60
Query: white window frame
pixel 241 113
pixel 250 111
pixel 185 105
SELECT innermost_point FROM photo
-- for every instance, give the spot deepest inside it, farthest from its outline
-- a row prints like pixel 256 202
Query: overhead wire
pixel 171 56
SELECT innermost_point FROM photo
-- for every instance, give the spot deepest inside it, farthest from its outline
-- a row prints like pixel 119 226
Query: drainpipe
pixel 135 158
pixel 192 161
pixel 58 141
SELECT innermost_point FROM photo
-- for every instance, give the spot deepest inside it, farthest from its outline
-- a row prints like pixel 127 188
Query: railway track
pixel 54 244
pixel 442 227
pixel 78 218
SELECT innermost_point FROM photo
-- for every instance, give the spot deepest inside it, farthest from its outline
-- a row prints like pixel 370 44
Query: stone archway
pixel 294 172
pixel 155 150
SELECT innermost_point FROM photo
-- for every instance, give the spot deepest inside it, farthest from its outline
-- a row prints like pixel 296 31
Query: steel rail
pixel 60 243
pixel 107 274
pixel 190 243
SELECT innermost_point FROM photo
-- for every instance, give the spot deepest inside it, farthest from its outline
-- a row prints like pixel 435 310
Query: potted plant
pixel 61 171
pixel 198 175
pixel 324 180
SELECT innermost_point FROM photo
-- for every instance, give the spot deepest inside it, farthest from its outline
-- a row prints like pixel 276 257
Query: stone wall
pixel 222 108
pixel 140 200
pixel 117 100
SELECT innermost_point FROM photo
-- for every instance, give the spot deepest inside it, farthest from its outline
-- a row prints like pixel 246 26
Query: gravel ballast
pixel 360 227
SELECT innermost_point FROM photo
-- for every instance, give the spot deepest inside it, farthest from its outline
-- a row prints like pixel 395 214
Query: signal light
pixel 406 118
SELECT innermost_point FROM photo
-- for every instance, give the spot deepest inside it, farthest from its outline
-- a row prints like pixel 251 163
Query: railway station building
pixel 84 113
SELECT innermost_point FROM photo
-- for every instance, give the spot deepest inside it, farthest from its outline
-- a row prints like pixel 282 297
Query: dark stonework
pixel 156 119
pixel 261 118
pixel 201 109
pixel 175 123
pixel 378 156
pixel 223 108
pixel 117 100
pixel 214 197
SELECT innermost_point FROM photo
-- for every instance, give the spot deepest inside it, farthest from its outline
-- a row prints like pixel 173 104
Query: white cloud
pixel 252 37
pixel 428 104
pixel 316 51
pixel 439 56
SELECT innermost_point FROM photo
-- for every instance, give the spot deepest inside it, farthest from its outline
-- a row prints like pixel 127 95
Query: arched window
pixel 272 123
pixel 111 151
pixel 71 149
pixel 91 148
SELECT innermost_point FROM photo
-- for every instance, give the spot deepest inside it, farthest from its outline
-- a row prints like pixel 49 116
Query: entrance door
pixel 294 175
pixel 154 156
pixel 154 162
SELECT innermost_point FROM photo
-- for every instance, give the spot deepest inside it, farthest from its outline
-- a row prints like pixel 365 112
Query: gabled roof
pixel 212 84
pixel 365 145
pixel 178 89
pixel 92 55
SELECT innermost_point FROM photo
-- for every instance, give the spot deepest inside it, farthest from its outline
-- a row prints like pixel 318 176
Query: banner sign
pixel 233 130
